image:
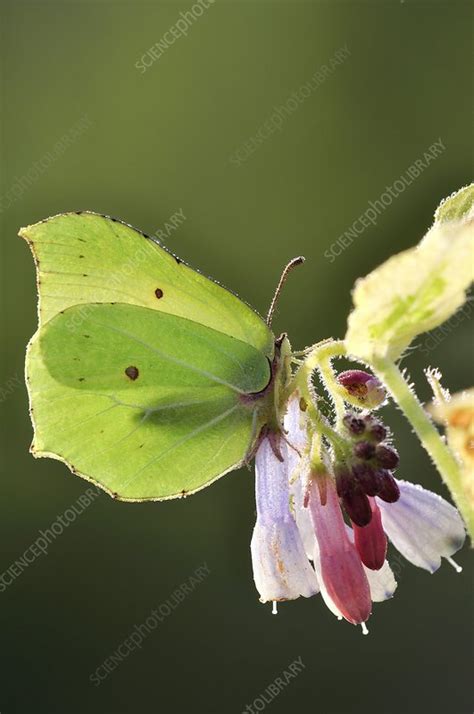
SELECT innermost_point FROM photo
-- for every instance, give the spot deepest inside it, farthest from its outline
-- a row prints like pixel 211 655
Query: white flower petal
pixel 382 583
pixel 422 526
pixel 280 566
pixel 298 469
pixel 295 423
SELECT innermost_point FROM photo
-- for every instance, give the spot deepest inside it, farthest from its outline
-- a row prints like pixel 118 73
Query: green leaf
pixel 458 206
pixel 86 258
pixel 412 292
pixel 145 404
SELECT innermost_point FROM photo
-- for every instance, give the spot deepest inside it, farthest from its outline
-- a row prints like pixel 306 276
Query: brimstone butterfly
pixel 144 376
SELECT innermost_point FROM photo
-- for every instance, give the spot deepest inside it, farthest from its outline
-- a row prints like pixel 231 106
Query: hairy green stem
pixel 442 456
pixel 319 357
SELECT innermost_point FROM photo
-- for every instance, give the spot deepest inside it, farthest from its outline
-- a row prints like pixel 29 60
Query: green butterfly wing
pixel 147 405
pixel 149 400
pixel 85 258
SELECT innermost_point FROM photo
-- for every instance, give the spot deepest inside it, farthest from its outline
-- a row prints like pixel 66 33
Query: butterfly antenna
pixel 287 270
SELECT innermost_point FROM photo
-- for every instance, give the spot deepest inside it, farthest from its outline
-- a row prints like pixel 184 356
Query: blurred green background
pixel 161 141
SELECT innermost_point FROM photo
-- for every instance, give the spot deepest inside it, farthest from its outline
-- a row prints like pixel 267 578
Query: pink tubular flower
pixel 342 572
pixel 382 582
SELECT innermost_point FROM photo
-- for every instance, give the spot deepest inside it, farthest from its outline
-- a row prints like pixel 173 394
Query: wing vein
pixel 183 440
pixel 170 358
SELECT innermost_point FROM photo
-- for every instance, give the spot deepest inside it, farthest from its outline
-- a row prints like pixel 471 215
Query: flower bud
pixel 386 456
pixel 371 541
pixel 343 480
pixel 364 450
pixel 354 425
pixel 366 478
pixel 362 387
pixel 357 506
pixel 377 432
pixel 388 489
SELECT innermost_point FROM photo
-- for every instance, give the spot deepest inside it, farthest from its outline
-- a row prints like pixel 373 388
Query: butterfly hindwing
pixel 146 404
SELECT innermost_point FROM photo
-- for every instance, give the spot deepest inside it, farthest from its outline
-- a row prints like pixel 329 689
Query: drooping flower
pixel 422 526
pixel 340 566
pixel 280 566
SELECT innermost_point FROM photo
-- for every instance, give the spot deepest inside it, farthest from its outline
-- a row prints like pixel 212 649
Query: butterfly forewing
pixel 87 258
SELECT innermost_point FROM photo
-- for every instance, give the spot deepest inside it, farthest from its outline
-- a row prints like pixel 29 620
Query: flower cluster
pixel 302 544
pixel 369 472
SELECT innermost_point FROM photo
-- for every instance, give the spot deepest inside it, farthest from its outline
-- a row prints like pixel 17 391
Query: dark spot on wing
pixel 178 260
pixel 82 240
pixel 81 379
pixel 132 372
pixel 84 275
pixel 159 293
pixel 81 256
pixel 141 446
pixel 78 213
pixel 87 336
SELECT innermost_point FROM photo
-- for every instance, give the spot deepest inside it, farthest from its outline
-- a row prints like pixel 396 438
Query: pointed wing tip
pixel 23 232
